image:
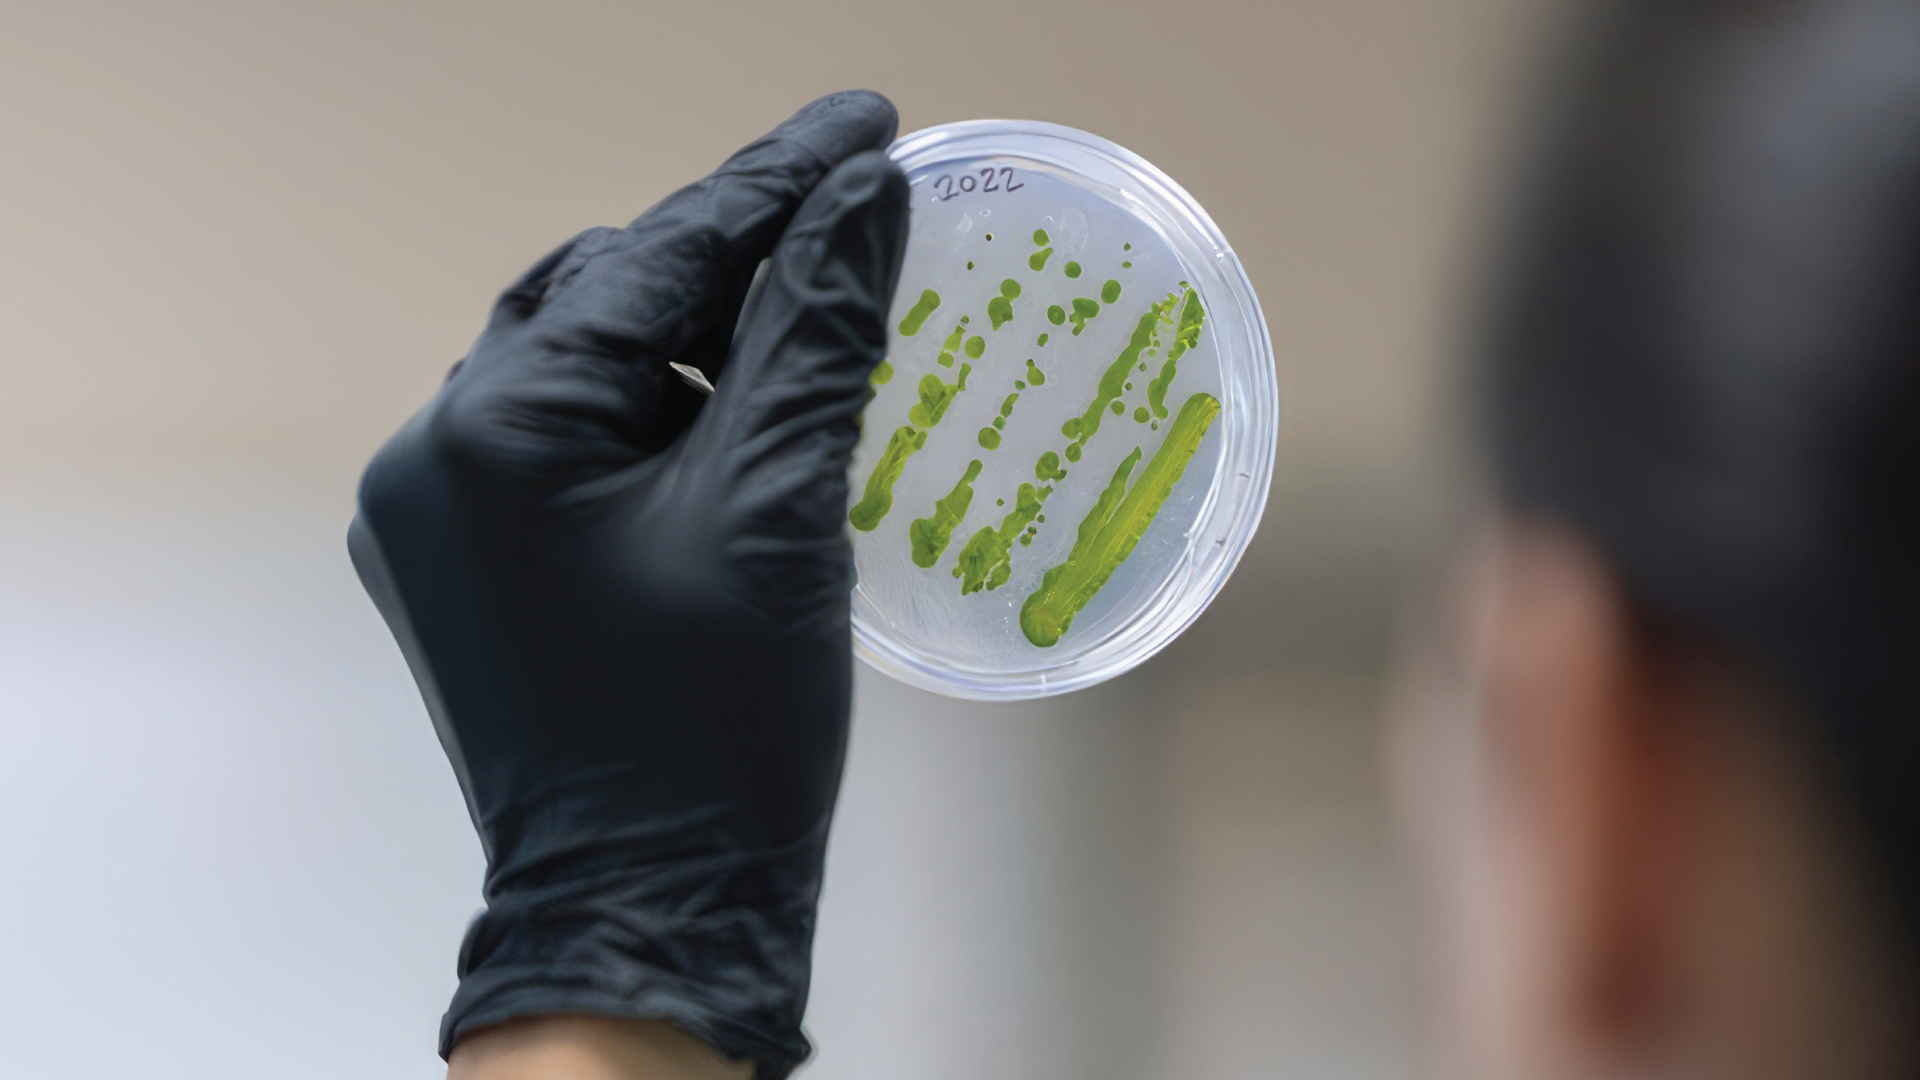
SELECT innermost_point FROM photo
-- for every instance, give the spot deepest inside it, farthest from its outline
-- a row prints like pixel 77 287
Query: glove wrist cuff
pixel 719 946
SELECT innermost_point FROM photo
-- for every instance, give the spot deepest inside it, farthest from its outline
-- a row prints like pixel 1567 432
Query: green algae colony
pixel 1038 260
pixel 1042 341
pixel 1056 314
pixel 1140 415
pixel 935 396
pixel 975 346
pixel 1048 467
pixel 1113 383
pixel 1110 291
pixel 1115 524
pixel 952 346
pixel 987 560
pixel 878 499
pixel 917 315
pixel 989 438
pixel 1035 376
pixel 1000 308
pixel 1040 238
pixel 882 373
pixel 930 535
pixel 1192 315
pixel 1083 309
pixel 1072 269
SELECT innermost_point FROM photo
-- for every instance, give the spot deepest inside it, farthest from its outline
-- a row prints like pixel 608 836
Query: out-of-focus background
pixel 240 242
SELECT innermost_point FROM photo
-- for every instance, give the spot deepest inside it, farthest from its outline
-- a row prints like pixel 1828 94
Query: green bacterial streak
pixel 1035 376
pixel 1049 468
pixel 917 315
pixel 1114 525
pixel 975 346
pixel 1112 384
pixel 1073 269
pixel 1083 309
pixel 1000 308
pixel 1110 291
pixel 930 535
pixel 935 396
pixel 952 346
pixel 1192 315
pixel 1038 260
pixel 987 560
pixel 878 499
pixel 1056 315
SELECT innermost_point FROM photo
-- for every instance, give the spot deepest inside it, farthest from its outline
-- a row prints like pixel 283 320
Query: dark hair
pixel 1703 351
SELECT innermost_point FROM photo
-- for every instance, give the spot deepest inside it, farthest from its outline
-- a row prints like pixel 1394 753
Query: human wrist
pixel 570 1047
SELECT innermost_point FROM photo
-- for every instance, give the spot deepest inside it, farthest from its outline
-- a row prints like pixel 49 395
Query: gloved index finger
pixel 753 194
pixel 702 242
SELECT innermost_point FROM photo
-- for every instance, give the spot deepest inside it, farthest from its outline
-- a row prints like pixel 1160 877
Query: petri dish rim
pixel 1232 509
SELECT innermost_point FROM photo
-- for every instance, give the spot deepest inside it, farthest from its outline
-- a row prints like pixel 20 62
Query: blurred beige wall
pixel 270 227
pixel 265 230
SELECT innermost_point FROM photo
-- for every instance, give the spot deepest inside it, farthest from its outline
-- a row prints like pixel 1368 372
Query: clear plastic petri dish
pixel 1070 442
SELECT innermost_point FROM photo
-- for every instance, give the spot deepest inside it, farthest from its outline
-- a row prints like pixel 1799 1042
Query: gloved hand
pixel 627 605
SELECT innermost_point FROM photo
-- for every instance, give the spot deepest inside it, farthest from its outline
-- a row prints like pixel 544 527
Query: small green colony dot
pixel 999 502
pixel 1018 385
pixel 1140 415
pixel 969 264
pixel 1126 266
pixel 989 236
pixel 1126 247
pixel 1043 339
pixel 1118 408
pixel 1039 238
pixel 1073 269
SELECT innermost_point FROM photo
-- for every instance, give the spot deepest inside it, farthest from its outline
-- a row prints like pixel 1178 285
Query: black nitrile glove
pixel 627 605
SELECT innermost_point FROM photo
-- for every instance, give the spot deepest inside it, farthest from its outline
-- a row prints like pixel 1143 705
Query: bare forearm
pixel 588 1048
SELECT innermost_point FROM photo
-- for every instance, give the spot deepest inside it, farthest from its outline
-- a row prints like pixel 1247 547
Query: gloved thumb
pixel 787 403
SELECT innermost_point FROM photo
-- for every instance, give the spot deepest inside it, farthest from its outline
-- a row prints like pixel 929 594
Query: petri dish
pixel 1071 439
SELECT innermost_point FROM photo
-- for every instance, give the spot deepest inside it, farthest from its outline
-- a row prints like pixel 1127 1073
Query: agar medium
pixel 1071 438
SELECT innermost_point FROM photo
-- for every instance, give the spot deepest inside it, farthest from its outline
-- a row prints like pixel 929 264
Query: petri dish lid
pixel 1071 439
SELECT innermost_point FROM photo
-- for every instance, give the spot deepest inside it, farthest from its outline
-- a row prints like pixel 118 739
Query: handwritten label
pixel 953 185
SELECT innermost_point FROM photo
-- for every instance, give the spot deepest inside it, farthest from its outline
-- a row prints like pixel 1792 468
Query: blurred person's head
pixel 1687 843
